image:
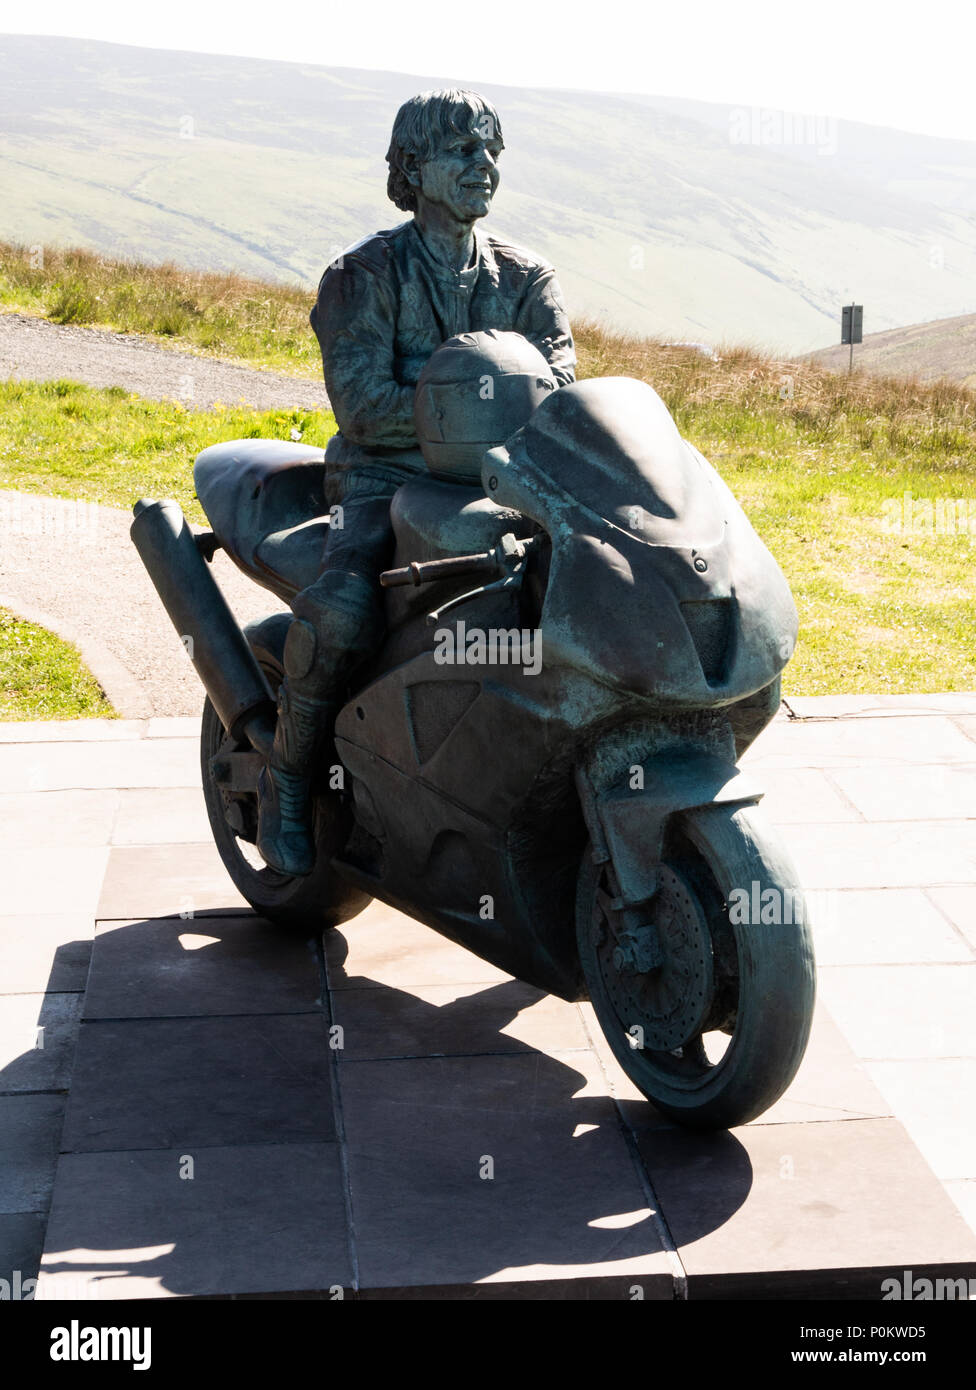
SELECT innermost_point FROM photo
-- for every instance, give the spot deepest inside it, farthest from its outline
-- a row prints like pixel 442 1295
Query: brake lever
pixel 513 580
pixel 511 556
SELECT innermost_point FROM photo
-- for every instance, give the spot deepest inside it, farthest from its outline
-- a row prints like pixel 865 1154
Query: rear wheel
pixel 709 1012
pixel 319 899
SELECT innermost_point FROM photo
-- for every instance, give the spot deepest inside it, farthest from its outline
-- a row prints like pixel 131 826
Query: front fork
pixel 627 815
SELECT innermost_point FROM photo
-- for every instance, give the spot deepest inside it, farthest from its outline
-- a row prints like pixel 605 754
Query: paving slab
pixel 383 947
pixel 160 816
pixel 957 902
pixel 895 1011
pixel 963 1193
pixel 900 855
pixel 40 820
pixel 168 968
pixel 943 792
pixel 30 1129
pixel 57 880
pixel 928 1097
pixel 253 1218
pixel 940 702
pixel 166 881
pixel 807 707
pixel 174 726
pixel 200 1082
pixel 70 730
pixel 21 1242
pixel 781 1210
pixel 501 1170
pixel 94 764
pixel 37 1038
pixel 454 1020
pixel 883 926
pixel 800 795
pixel 45 952
pixel 951 702
pixel 892 741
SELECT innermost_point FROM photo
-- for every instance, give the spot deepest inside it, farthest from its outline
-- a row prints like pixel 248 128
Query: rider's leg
pixel 338 624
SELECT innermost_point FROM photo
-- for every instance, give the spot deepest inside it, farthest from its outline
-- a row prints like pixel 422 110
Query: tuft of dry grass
pixel 219 314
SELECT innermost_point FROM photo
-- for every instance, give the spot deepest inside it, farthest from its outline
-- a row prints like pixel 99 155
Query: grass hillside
pixel 679 219
pixel 864 488
pixel 943 350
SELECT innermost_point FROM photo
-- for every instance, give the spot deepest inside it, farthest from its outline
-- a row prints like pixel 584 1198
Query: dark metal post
pixel 851 325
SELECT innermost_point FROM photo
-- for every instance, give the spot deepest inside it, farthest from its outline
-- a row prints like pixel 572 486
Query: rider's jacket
pixel 383 307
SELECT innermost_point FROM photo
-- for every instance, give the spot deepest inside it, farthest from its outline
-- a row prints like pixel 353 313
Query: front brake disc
pixel 661 1009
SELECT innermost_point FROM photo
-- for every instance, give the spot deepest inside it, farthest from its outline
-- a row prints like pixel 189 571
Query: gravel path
pixel 32 349
pixel 71 567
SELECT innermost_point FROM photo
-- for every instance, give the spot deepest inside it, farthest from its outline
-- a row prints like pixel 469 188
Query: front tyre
pixel 712 1021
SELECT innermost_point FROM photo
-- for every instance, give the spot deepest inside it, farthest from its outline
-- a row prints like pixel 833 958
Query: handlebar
pixel 429 570
pixel 507 561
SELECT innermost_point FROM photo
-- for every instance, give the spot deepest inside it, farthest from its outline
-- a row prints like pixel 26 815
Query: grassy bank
pixel 109 446
pixel 43 677
pixel 822 463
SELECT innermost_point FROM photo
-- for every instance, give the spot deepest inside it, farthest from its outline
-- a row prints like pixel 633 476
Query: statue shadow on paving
pixel 220 1054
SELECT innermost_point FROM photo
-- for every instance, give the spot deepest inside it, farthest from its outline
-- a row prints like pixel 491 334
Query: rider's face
pixel 463 175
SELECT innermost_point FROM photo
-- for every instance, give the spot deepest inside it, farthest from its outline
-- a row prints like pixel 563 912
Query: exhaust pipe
pixel 208 629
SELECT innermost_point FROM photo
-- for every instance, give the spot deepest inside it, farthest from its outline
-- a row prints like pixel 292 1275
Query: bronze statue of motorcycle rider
pixel 382 309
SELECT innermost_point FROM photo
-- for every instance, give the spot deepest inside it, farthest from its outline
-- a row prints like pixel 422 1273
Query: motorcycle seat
pixel 265 500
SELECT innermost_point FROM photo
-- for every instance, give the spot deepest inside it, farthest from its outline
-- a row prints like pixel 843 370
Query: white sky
pixel 902 63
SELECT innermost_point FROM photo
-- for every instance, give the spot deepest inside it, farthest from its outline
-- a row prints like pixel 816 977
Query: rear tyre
pixel 308 903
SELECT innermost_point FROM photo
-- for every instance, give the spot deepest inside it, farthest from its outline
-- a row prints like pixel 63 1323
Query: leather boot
pixel 336 625
pixel 284 838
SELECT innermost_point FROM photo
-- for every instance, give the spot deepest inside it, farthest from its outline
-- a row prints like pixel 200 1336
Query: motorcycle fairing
pixel 446 726
pixel 658 583
pixel 453 871
pixel 449 814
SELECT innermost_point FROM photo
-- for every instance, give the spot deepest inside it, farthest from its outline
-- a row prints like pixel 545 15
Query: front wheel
pixel 708 1005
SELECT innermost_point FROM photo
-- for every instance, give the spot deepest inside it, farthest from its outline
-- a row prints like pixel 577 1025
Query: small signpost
pixel 851 328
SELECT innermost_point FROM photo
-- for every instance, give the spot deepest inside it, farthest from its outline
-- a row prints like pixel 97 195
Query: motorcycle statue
pixel 570 812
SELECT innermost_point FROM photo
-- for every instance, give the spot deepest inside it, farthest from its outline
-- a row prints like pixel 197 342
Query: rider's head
pixel 445 148
pixel 474 392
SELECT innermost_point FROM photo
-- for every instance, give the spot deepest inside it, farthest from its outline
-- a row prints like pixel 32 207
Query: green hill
pixel 944 350
pixel 657 214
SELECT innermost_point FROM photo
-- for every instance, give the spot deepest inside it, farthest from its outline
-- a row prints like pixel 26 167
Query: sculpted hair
pixel 422 124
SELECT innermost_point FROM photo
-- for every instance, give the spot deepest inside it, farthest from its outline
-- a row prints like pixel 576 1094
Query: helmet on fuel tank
pixel 474 392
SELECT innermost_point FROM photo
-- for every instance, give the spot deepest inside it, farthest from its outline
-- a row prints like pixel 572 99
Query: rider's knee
pixel 341 611
pixel 301 649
